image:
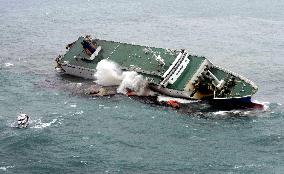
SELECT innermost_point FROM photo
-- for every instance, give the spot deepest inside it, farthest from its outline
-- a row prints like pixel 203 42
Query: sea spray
pixel 131 80
pixel 110 74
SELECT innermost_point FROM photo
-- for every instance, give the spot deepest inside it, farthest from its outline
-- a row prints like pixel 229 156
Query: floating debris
pixel 23 120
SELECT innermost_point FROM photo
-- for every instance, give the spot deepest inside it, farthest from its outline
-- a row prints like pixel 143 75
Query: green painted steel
pixel 126 55
pixel 190 70
pixel 242 88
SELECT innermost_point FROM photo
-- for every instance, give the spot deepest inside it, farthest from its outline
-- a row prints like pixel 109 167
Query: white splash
pixel 133 81
pixel 109 74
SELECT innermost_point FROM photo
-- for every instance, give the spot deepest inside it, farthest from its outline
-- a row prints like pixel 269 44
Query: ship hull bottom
pixel 235 103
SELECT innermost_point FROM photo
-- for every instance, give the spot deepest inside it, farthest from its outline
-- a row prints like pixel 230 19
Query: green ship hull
pixel 172 72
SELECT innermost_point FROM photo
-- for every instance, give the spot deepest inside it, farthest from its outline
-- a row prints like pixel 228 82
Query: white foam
pixel 40 125
pixel 73 106
pixel 221 113
pixel 234 112
pixel 84 162
pixel 4 168
pixel 79 112
pixel 8 64
pixel 78 84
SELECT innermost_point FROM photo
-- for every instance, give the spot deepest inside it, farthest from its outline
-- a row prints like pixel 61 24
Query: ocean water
pixel 71 132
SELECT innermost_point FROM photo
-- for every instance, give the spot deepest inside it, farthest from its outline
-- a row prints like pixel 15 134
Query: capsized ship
pixel 171 72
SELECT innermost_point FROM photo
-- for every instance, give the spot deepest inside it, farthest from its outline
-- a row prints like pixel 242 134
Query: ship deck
pixel 143 59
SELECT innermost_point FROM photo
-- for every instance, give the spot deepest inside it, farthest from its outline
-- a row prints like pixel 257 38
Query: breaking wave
pixel 110 74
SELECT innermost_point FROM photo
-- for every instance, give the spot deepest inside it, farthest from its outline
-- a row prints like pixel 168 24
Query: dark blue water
pixel 71 132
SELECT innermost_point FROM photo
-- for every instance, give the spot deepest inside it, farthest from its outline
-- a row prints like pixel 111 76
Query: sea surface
pixel 71 132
